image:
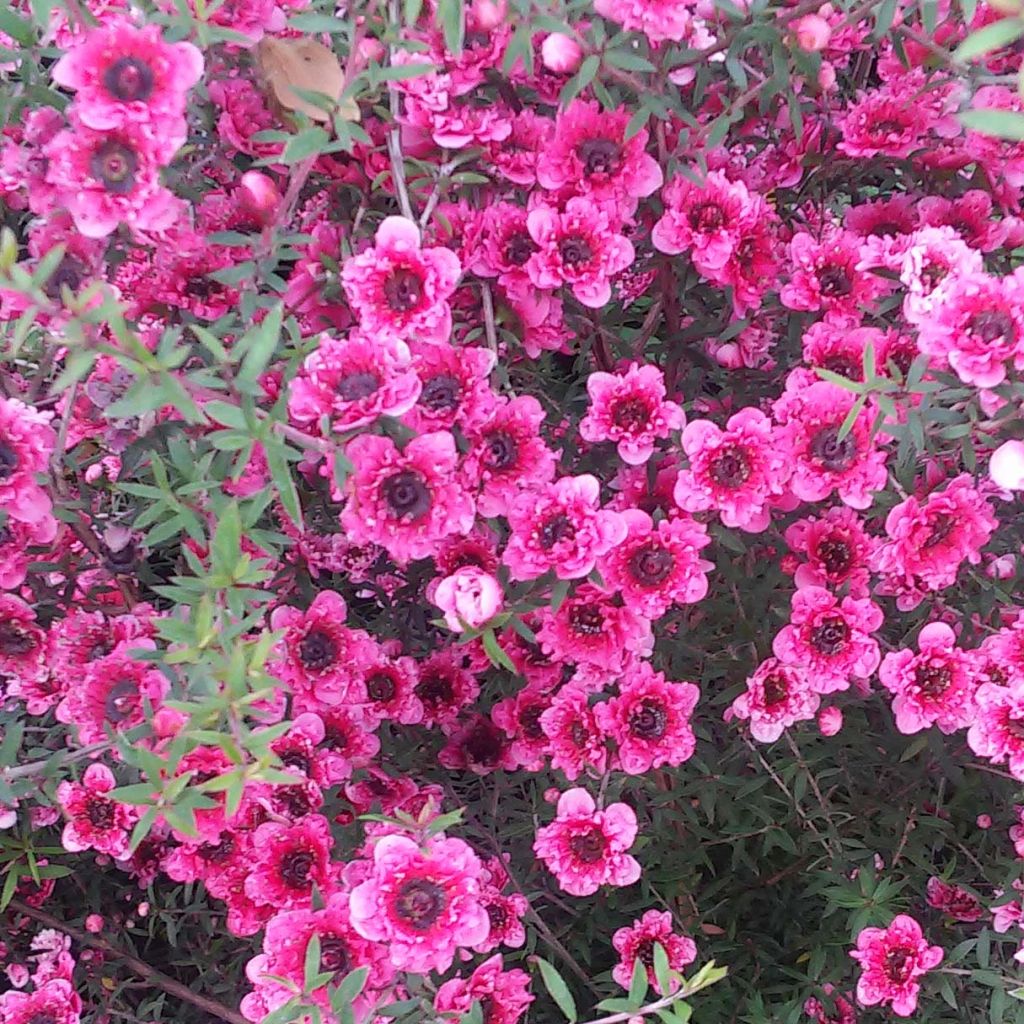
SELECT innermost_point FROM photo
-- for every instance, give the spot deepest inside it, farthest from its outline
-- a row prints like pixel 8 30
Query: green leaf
pixel 557 989
pixel 1003 124
pixel 311 963
pixel 628 61
pixel 307 143
pixel 638 983
pixel 451 14
pixel 499 659
pixel 662 970
pixel 991 37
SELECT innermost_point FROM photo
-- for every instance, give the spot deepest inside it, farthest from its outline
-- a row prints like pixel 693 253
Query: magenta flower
pixel 455 388
pixel 638 941
pixel 561 527
pixel 630 409
pixel 830 638
pixel 288 859
pixel 953 900
pixel 123 75
pixel 884 122
pixel 353 382
pixel 997 733
pixel 649 720
pixel 810 422
pixel 777 696
pixel 656 566
pixel 737 471
pixel 571 732
pixel 585 848
pixel 405 501
pixel 519 717
pixel 659 20
pixel 445 687
pixel 504 995
pixel 580 248
pixel 94 821
pixel 55 1000
pixel 933 687
pixel 24 645
pixel 26 444
pixel 837 548
pixel 401 288
pixel 423 902
pixel 891 961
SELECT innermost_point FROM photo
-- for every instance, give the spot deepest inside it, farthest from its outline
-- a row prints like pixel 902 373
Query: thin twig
pixel 140 967
pixel 394 136
pixel 489 329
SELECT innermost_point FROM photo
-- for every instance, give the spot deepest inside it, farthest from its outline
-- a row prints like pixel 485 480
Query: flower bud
pixel 1006 466
pixel 488 14
pixel 469 596
pixel 94 924
pixel 812 32
pixel 826 76
pixel 259 196
pixel 830 721
pixel 561 54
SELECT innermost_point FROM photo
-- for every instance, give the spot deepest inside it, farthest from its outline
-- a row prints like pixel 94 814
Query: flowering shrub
pixel 510 511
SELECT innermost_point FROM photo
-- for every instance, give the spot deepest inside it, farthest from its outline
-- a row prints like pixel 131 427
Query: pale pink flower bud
pixel 167 722
pixel 561 54
pixel 1006 466
pixel 812 32
pixel 488 14
pixel 984 821
pixel 260 196
pixel 18 975
pixel 94 923
pixel 371 49
pixel 143 909
pixel 470 595
pixel 830 721
pixel 826 76
pixel 8 815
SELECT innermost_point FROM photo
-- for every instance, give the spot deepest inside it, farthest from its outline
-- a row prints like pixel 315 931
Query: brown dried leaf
pixel 288 64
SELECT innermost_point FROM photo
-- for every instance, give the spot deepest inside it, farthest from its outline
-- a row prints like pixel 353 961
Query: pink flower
pixel 445 687
pixel 777 696
pixel 26 444
pixel 998 730
pixel 891 960
pixel 659 20
pixel 455 388
pixel 630 409
pixel 573 738
pixel 561 527
pixel 589 153
pixel 810 422
pixel 638 941
pixel 649 720
pixel 288 860
pixel 935 686
pixel 830 638
pixel 1006 466
pixel 737 471
pixel 94 821
pixel 107 178
pixel 954 900
pixel 123 75
pixel 837 548
pixel 469 597
pixel 399 287
pixel 656 566
pixel 354 382
pixel 883 122
pixel 53 1001
pixel 503 995
pixel 585 848
pixel 579 247
pixel 405 501
pixel 423 902
pixel 24 646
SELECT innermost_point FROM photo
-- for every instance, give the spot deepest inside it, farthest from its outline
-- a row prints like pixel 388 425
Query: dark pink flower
pixel 24 646
pixel 997 733
pixel 585 848
pixel 884 122
pixel 55 1002
pixel 649 720
pixel 94 821
pixel 573 737
pixel 455 388
pixel 520 718
pixel 891 961
pixel 837 548
pixel 638 941
pixel 405 501
pixel 423 902
pixel 445 687
pixel 26 444
pixel 503 995
pixel 399 287
pixel 777 696
pixel 630 409
pixel 953 900
pixel 288 859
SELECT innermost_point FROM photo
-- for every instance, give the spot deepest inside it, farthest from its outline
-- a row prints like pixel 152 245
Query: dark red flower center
pixel 70 272
pixel 435 689
pixel 296 759
pixel 484 744
pixel 441 393
pixel 707 217
pixel 933 680
pixel 519 248
pixel 599 156
pixel 831 636
pixel 15 639
pixel 587 620
pixel 122 701
pixel 8 461
pixel 775 688
pixel 835 555
pixel 101 812
pixel 992 326
pixel 575 250
pixel 381 687
pixel 420 902
pixel 652 564
pixel 645 952
pixel 333 954
pixel 317 650
pixel 942 526
pixel 114 164
pixel 403 290
pixel 529 721
pixel 497 914
pixel 218 853
pixel 355 386
pixel 835 282
pixel 407 495
pixel 631 414
pixel 833 452
pixel 648 720
pixel 588 846
pixel 731 467
pixel 335 736
pixel 129 80
pixel 42 1017
pixel 899 963
pixel 296 867
pixel 500 451
pixel 555 529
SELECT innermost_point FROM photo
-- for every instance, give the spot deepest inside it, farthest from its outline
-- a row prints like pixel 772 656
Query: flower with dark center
pixel 420 902
pixel 484 744
pixel 354 386
pixel 831 636
pixel 574 250
pixel 555 529
pixel 519 248
pixel 599 156
pixel 835 555
pixel 317 650
pixel 707 217
pixel 407 495
pixel 115 164
pixel 333 954
pixel 992 326
pixel 835 282
pixel 587 620
pixel 434 689
pixel 403 290
pixel 833 452
pixel 731 467
pixel 497 913
pixel 121 701
pixel 43 1017
pixel 101 812
pixel 15 640
pixel 296 759
pixel 218 853
pixel 645 952
pixel 441 393
pixel 8 461
pixel 933 680
pixel 578 733
pixel 295 869
pixel 775 689
pixel 941 528
pixel 500 451
pixel 648 720
pixel 898 964
pixel 588 846
pixel 652 564
pixel 129 80
pixel 380 687
pixel 632 414
pixel 529 721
